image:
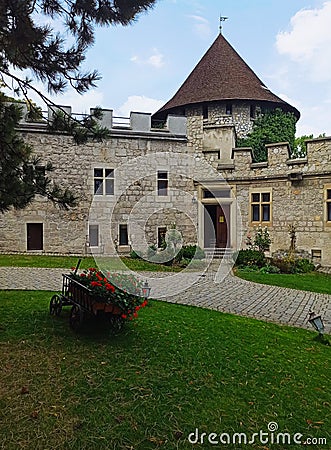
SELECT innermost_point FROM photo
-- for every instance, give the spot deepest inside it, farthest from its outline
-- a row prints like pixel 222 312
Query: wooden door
pixel 34 236
pixel 222 226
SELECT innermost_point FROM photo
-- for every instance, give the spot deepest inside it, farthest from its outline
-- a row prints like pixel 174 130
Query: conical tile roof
pixel 220 75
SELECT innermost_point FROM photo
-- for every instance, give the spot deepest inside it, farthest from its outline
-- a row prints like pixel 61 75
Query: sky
pixel 287 43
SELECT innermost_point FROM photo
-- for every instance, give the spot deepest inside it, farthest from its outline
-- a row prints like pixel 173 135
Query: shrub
pixel 304 265
pixel 134 255
pixel 261 240
pixel 252 268
pixel 192 252
pixel 151 251
pixel 285 264
pixel 250 258
pixel 269 268
pixel 291 264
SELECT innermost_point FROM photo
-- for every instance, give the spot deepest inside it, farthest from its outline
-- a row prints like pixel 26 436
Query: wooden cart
pixel 84 303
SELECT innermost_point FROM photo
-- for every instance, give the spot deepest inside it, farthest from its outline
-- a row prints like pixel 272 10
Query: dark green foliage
pixel 300 145
pixel 26 44
pixel 192 252
pixel 269 128
pixel 56 61
pixel 81 130
pixel 34 112
pixel 292 264
pixel 21 175
pixel 134 255
pixel 269 268
pixel 151 251
pixel 261 240
pixel 250 258
pixel 304 266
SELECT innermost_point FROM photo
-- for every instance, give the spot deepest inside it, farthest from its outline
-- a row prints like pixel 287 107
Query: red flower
pixel 109 287
pixel 95 283
pixel 124 316
pixel 137 308
pixel 135 314
pixel 82 275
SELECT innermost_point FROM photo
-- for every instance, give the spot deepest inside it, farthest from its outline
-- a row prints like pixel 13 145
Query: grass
pixel 66 262
pixel 313 281
pixel 174 370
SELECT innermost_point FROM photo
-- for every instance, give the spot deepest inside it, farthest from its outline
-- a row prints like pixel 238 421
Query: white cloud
pixel 139 103
pixel 156 59
pixel 201 26
pixel 308 42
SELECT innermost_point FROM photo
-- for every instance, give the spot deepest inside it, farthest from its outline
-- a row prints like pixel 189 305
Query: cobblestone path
pixel 212 290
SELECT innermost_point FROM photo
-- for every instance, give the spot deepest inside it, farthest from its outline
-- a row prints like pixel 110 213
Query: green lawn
pixel 313 281
pixel 174 370
pixel 66 262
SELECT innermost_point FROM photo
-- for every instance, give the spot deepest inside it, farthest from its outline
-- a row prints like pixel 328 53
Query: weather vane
pixel 222 19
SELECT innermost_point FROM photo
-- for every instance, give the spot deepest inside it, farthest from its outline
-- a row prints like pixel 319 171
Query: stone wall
pixel 298 193
pixel 133 158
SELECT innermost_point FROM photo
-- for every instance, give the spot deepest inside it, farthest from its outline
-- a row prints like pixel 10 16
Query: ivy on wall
pixel 270 128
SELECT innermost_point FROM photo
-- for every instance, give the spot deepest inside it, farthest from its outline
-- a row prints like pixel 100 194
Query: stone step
pixel 212 252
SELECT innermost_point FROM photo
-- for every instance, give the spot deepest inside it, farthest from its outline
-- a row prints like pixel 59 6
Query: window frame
pixel 327 205
pixel 162 191
pixel 107 178
pixel 120 227
pixel 96 227
pixel 228 109
pixel 161 235
pixel 259 205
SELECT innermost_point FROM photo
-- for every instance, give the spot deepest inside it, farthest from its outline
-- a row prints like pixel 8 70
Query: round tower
pixel 221 98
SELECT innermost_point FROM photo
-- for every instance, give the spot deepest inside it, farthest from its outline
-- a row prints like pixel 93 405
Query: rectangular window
pixel 104 181
pixel 162 183
pixel 328 205
pixel 217 193
pixel 94 235
pixel 261 207
pixel 205 111
pixel 161 233
pixel 123 234
pixel 228 109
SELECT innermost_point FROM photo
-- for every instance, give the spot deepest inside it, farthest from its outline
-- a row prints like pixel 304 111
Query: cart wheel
pixel 55 305
pixel 76 317
pixel 116 323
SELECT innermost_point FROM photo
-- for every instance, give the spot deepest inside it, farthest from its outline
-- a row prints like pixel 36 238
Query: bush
pixel 304 266
pixel 291 264
pixel 250 258
pixel 269 269
pixel 134 255
pixel 252 268
pixel 192 252
pixel 151 251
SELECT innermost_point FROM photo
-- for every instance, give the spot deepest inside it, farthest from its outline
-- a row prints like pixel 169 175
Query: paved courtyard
pixel 213 290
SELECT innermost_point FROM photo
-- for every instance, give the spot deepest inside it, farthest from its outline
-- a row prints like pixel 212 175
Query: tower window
pixel 123 234
pixel 228 109
pixel 205 111
pixel 162 183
